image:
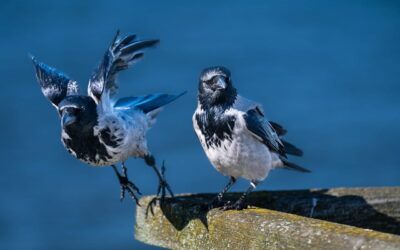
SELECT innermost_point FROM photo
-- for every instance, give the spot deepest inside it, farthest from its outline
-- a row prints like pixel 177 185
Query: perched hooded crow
pixel 236 136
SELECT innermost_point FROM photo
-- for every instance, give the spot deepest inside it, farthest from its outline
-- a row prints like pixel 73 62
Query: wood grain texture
pixel 369 219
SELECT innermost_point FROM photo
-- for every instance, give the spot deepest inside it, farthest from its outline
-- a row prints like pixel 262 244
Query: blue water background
pixel 329 71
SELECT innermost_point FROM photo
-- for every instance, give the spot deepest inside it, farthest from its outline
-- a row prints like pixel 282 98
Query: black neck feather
pixel 225 100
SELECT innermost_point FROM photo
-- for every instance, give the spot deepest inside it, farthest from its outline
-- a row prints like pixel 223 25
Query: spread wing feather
pixel 55 85
pixel 146 103
pixel 121 54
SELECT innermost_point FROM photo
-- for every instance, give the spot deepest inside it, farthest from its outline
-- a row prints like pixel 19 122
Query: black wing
pixel 121 54
pixel 280 130
pixel 266 133
pixel 55 85
pixel 257 124
pixel 289 148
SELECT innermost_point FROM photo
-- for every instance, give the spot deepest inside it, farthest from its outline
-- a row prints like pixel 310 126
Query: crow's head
pixel 215 87
pixel 77 113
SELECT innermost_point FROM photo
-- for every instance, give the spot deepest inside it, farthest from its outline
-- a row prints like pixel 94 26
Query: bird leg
pixel 217 199
pixel 126 184
pixel 241 202
pixel 163 185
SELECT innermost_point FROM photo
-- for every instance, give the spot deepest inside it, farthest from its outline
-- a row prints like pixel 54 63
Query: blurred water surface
pixel 328 71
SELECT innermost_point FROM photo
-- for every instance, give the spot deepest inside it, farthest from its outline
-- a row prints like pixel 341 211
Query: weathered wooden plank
pixel 180 223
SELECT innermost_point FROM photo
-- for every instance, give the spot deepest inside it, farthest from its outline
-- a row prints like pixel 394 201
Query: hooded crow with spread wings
pixel 236 136
pixel 99 129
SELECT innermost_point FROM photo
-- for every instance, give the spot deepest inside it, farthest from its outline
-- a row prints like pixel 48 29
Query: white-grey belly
pixel 129 130
pixel 242 157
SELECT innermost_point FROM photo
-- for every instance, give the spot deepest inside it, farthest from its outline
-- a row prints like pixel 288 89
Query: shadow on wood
pixel 353 210
pixel 369 208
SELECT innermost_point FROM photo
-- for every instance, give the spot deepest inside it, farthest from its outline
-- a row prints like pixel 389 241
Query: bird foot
pixel 163 186
pixel 215 203
pixel 151 205
pixel 238 205
pixel 126 185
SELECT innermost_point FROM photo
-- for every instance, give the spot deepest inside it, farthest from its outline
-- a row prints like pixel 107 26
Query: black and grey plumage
pixel 236 136
pixel 97 128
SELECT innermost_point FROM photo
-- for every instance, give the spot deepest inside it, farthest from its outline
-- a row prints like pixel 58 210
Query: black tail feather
pixel 292 166
pixel 291 149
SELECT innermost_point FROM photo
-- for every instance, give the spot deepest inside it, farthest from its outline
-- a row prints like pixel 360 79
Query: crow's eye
pixel 70 111
pixel 212 81
pixel 208 83
pixel 77 111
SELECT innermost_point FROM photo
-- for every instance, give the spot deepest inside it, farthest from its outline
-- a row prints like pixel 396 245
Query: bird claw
pixel 126 185
pixel 215 203
pixel 163 185
pixel 238 205
pixel 151 205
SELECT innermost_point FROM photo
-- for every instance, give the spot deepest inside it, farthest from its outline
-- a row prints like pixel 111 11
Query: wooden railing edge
pixel 182 223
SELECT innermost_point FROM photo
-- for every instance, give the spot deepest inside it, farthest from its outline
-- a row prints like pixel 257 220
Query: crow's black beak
pixel 220 84
pixel 67 120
